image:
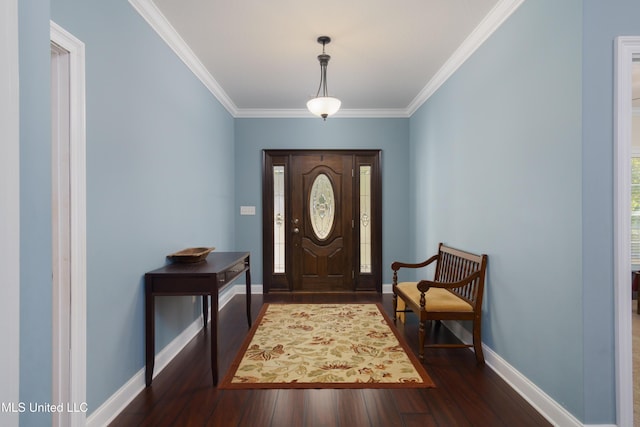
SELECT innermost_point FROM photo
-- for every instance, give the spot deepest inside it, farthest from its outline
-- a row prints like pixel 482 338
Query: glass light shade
pixel 324 106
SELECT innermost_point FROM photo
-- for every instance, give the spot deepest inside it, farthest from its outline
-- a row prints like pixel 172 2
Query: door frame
pixel 626 48
pixel 10 210
pixel 69 372
pixel 282 157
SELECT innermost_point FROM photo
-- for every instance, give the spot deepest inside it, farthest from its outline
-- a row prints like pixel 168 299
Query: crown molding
pixel 373 113
pixel 494 19
pixel 150 12
pixel 273 113
pixel 500 12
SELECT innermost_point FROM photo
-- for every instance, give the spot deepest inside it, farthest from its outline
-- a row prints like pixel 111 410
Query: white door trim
pixel 77 213
pixel 625 49
pixel 60 226
pixel 9 211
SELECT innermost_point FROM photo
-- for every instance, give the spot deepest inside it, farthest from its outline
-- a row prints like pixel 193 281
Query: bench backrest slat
pixel 454 265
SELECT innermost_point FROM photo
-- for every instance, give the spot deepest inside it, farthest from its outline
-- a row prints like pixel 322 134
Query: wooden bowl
pixel 190 255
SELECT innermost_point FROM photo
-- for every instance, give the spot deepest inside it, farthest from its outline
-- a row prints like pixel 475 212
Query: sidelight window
pixel 278 220
pixel 365 219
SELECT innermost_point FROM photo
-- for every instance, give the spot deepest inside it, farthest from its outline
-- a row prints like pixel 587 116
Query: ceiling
pixel 262 55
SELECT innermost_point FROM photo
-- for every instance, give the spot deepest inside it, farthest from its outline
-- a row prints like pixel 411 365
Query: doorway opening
pixel 627 48
pixel 322 220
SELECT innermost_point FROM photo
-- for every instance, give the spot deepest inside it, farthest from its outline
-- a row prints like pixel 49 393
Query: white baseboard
pixel 108 411
pixel 542 402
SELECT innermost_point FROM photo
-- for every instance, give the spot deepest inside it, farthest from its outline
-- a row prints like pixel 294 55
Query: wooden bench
pixel 455 293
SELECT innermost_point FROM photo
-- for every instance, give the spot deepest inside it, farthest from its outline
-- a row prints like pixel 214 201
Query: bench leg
pixel 421 334
pixel 395 307
pixel 477 342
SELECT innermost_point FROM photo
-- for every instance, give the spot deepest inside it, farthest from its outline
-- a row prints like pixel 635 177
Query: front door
pixel 321 221
pixel 321 248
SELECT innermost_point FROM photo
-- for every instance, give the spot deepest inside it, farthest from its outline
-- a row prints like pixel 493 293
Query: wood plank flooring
pixel 465 394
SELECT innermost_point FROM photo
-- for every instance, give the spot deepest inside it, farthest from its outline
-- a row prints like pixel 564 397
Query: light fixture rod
pixel 323 58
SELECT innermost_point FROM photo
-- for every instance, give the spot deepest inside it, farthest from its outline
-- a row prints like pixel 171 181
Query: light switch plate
pixel 247 210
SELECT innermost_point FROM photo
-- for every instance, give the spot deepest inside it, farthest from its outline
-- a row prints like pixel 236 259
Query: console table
pixel 205 278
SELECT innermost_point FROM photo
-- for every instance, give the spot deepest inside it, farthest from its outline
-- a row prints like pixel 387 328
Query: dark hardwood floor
pixel 465 394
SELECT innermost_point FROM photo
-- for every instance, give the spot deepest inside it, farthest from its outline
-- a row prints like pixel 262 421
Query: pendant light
pixel 323 105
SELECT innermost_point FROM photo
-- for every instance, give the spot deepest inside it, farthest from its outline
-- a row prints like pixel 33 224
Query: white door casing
pixel 69 215
pixel 9 211
pixel 626 48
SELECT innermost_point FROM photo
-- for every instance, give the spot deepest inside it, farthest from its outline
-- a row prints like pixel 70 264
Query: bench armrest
pixel 397 265
pixel 424 285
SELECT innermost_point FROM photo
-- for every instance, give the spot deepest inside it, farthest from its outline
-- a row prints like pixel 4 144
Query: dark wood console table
pixel 206 278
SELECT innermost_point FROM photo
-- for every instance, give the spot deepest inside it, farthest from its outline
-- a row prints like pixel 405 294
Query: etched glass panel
pixel 278 219
pixel 365 219
pixel 322 206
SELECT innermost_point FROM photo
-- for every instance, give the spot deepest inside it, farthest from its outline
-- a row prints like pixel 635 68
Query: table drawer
pixel 231 273
pixel 181 285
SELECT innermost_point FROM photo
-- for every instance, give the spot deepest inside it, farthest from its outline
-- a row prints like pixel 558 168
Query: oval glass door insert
pixel 322 206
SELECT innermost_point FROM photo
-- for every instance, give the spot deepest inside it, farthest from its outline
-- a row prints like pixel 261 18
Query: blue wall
pixel 159 178
pixel 496 165
pixel 35 206
pixel 389 135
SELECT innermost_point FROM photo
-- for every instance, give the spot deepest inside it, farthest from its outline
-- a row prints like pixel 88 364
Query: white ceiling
pixel 384 55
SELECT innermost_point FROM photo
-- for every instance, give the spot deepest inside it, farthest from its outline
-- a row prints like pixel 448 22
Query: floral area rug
pixel 325 346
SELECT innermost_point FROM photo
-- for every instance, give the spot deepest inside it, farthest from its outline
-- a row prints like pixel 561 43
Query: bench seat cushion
pixel 437 299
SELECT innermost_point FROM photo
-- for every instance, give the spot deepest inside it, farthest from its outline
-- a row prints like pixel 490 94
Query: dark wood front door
pixel 321 221
pixel 321 248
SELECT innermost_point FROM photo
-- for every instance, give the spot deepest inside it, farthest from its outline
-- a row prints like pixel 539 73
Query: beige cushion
pixel 437 299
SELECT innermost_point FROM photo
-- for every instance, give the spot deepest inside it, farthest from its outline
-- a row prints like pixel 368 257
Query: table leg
pixel 214 341
pixel 149 336
pixel 248 296
pixel 205 309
